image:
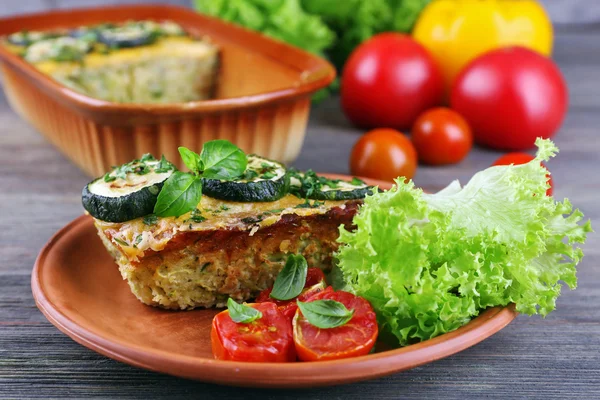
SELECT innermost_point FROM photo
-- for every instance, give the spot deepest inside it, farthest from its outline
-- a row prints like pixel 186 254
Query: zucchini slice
pixel 127 192
pixel 264 180
pixel 128 35
pixel 312 186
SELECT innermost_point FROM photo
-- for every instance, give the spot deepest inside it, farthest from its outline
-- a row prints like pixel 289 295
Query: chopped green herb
pixel 163 166
pixel 109 178
pixel 197 216
pixel 147 157
pixel 204 266
pixel 268 175
pixel 356 182
pixel 307 204
pixel 249 175
pixel 252 220
pixel 150 219
pixel 276 211
pixel 224 207
pixel 138 239
pixel 121 242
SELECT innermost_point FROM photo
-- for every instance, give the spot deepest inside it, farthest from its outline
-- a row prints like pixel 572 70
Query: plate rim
pixel 280 375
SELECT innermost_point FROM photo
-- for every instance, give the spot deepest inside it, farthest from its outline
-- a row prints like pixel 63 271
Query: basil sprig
pixel 325 314
pixel 242 313
pixel 292 278
pixel 181 193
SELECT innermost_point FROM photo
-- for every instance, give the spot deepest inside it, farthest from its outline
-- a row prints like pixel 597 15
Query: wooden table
pixel 557 357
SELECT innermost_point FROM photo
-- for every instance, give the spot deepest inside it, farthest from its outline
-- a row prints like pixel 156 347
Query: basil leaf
pixel 292 278
pixel 222 160
pixel 241 313
pixel 325 314
pixel 180 194
pixel 190 159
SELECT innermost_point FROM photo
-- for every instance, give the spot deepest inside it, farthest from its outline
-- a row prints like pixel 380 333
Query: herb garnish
pixel 325 314
pixel 150 219
pixel 182 192
pixel 196 216
pixel 307 204
pixel 252 220
pixel 121 242
pixel 292 278
pixel 242 313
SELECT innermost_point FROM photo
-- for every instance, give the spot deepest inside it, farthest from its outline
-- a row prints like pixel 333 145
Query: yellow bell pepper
pixel 457 31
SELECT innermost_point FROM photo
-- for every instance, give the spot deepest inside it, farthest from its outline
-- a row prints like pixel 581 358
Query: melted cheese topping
pixel 165 47
pixel 134 237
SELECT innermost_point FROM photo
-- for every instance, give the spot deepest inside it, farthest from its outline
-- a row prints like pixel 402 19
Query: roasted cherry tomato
pixel 356 338
pixel 315 283
pixel 441 136
pixel 383 154
pixel 268 339
pixel 388 81
pixel 521 158
pixel 511 96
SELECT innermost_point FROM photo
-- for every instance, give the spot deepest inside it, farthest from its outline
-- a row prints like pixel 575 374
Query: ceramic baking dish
pixel 261 103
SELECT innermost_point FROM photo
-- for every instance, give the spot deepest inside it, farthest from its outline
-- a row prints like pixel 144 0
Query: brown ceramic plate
pixel 78 288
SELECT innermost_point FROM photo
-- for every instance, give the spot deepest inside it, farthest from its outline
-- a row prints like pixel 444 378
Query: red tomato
pixel 388 81
pixel 315 283
pixel 521 158
pixel 441 136
pixel 383 154
pixel 355 338
pixel 510 97
pixel 268 339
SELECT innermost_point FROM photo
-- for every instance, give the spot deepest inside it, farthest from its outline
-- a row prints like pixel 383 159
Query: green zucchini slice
pixel 312 186
pixel 128 191
pixel 264 180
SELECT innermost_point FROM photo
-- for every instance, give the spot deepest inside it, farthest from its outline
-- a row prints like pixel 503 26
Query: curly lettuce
pixel 428 263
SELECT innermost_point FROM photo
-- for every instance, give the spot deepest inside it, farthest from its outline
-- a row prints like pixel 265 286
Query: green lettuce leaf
pixel 428 263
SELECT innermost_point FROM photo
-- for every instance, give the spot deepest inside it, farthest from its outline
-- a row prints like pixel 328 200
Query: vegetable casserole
pixel 132 62
pixel 229 241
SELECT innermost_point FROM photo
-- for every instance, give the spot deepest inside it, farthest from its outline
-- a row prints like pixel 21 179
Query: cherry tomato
pixel 268 339
pixel 383 154
pixel 441 136
pixel 356 338
pixel 521 158
pixel 388 81
pixel 315 283
pixel 510 97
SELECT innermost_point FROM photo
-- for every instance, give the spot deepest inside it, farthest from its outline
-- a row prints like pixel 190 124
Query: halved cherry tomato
pixel 441 136
pixel 355 338
pixel 268 339
pixel 383 154
pixel 521 158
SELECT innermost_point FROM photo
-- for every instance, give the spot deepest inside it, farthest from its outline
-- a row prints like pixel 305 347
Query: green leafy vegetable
pixel 190 159
pixel 331 27
pixel 290 281
pixel 180 194
pixel 326 313
pixel 222 159
pixel 280 19
pixel 242 313
pixel 428 263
